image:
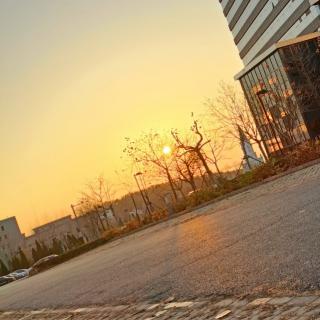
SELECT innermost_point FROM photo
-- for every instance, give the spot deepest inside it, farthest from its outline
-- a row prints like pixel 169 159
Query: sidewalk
pixel 275 308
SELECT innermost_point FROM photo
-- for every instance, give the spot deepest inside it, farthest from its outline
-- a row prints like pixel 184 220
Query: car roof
pixel 19 270
pixel 45 259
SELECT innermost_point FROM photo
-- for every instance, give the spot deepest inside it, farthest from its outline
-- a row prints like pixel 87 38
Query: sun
pixel 166 150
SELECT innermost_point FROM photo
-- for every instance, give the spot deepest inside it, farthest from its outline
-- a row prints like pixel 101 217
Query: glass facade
pixel 302 65
pixel 284 95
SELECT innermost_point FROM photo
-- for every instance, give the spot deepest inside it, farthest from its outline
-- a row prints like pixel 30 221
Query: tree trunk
pixel 217 167
pixel 171 184
pixel 261 148
pixel 191 179
pixel 205 164
pixel 193 184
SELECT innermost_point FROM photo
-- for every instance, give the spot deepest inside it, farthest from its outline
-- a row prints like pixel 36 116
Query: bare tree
pixel 98 198
pixel 148 152
pixel 285 115
pixel 187 168
pixel 302 63
pixel 232 111
pixel 216 146
pixel 303 66
pixel 196 148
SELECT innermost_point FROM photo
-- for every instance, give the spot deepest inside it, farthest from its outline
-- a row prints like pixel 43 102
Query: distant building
pixel 58 229
pixel 11 239
pixel 137 214
pixel 65 231
pixel 91 226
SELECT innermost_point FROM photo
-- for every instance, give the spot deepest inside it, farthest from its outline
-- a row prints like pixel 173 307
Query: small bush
pixel 180 205
pixel 264 171
pixel 159 215
pixel 302 154
pixel 131 225
pixel 202 196
pixel 245 179
pixel 109 234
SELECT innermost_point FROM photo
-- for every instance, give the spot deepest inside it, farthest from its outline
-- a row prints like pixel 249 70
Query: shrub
pixel 159 215
pixel 109 234
pixel 180 205
pixel 245 179
pixel 202 196
pixel 131 225
pixel 264 171
pixel 304 153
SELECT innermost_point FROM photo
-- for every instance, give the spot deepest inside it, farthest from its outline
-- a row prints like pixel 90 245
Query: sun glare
pixel 166 150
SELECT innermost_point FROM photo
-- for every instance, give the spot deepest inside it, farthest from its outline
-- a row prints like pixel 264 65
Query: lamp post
pixel 141 191
pixel 259 96
pixel 73 206
pixel 99 217
pixel 73 210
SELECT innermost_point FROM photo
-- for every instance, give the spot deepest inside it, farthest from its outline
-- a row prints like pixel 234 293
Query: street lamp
pixel 73 206
pixel 143 196
pixel 259 96
pixel 99 217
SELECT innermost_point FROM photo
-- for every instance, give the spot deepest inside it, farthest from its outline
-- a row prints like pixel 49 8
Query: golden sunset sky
pixel 77 76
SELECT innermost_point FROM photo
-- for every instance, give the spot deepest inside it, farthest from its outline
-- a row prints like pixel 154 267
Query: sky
pixel 77 76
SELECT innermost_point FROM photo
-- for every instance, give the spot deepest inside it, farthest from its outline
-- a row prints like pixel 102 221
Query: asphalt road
pixel 266 240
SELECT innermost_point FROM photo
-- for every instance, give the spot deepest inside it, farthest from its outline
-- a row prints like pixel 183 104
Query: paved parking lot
pixel 262 242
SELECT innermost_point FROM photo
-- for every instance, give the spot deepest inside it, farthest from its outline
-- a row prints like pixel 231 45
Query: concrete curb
pixel 202 205
pixel 226 196
pixel 244 189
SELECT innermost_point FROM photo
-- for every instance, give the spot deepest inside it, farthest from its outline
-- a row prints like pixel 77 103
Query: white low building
pixel 11 239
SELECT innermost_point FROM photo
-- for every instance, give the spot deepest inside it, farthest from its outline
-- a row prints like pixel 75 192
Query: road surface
pixel 265 240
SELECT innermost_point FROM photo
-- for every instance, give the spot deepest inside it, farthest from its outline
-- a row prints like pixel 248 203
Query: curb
pixel 202 205
pixel 244 189
pixel 226 196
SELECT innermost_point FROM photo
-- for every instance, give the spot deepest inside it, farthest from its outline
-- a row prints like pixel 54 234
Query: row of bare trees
pixel 170 158
pixel 184 160
pixel 187 158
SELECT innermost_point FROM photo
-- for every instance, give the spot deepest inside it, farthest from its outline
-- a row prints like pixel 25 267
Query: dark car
pixel 6 279
pixel 43 264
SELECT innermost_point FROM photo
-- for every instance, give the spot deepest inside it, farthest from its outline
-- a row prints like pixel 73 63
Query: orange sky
pixel 78 76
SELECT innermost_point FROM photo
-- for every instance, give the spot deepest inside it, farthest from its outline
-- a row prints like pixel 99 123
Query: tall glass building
pixel 279 43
